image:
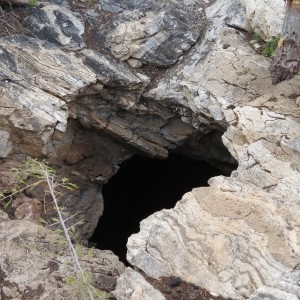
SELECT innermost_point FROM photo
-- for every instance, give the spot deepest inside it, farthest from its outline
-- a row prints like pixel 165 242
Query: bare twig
pixel 51 185
pixel 53 224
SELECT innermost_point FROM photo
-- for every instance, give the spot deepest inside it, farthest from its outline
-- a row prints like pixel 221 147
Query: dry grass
pixel 11 21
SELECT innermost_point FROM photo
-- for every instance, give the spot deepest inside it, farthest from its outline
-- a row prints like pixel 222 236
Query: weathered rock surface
pixel 149 31
pixel 100 92
pixel 64 97
pixel 287 288
pixel 241 234
pixel 34 265
pixel 57 24
pixel 132 285
pixel 265 17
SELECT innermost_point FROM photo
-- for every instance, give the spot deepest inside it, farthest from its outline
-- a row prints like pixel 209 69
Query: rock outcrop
pixel 132 285
pixel 240 234
pixel 35 264
pixel 95 85
pixel 146 32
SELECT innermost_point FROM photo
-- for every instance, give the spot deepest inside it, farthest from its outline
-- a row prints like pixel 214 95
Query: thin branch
pixel 65 220
pixel 21 190
pixel 50 182
pixel 74 225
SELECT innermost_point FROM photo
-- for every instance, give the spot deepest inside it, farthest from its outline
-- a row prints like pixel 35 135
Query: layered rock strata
pixel 94 85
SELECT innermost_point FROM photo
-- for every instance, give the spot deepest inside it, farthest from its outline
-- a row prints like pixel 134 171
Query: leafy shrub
pixel 270 46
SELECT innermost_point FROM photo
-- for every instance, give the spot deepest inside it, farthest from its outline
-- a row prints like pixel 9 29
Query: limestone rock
pixel 261 17
pixel 132 286
pixel 95 90
pixel 265 17
pixel 287 288
pixel 5 144
pixel 239 237
pixel 58 25
pixel 230 246
pixel 87 112
pixel 98 90
pixel 27 208
pixel 3 216
pixel 154 34
pixel 34 265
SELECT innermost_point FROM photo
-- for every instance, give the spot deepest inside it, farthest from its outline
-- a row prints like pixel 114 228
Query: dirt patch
pixel 173 288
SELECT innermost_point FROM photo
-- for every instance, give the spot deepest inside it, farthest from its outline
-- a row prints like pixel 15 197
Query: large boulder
pixel 132 285
pixel 239 237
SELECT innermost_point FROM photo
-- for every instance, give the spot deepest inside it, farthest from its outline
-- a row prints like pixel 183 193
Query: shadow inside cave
pixel 141 187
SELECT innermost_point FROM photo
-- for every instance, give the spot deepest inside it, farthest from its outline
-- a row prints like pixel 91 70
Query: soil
pixel 173 288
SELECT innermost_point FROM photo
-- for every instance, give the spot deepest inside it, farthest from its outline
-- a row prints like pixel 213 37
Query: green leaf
pixel 68 188
pixel 43 221
pixel 7 204
pixel 271 46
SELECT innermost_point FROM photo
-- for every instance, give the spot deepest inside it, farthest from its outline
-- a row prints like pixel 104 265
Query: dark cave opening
pixel 141 187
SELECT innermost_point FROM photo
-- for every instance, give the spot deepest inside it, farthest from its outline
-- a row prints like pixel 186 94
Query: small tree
pixel 42 173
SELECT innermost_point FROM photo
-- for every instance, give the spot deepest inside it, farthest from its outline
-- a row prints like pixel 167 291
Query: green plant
pixel 81 286
pixel 267 48
pixel 257 38
pixel 35 174
pixel 33 3
pixel 270 46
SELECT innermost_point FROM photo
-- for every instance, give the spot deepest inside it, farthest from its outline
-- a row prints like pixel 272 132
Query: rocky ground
pixel 92 83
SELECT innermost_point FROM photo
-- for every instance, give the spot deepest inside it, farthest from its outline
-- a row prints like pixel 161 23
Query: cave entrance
pixel 141 187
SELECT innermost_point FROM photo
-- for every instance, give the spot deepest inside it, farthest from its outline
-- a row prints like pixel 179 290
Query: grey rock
pixel 87 112
pixel 111 72
pixel 240 227
pixel 153 33
pixel 265 17
pixel 135 63
pixel 42 3
pixel 5 144
pixel 3 216
pixel 286 288
pixel 132 286
pixel 112 6
pixel 58 25
pixel 34 265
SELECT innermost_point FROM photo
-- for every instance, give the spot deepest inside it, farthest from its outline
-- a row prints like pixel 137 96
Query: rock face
pixel 149 32
pixel 265 17
pixel 26 246
pixel 95 85
pixel 132 285
pixel 239 237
